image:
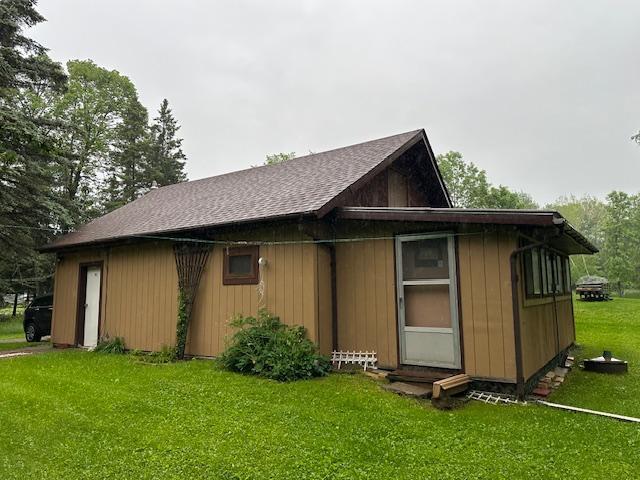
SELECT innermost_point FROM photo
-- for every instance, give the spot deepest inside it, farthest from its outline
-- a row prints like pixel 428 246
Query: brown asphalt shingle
pixel 301 185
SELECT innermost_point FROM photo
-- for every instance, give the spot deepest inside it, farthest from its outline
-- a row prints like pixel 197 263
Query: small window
pixel 240 265
pixel 544 271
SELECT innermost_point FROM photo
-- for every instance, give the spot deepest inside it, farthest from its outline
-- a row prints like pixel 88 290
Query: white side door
pixel 427 301
pixel 92 307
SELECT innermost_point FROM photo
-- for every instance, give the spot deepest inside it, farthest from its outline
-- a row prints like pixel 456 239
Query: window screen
pixel 425 259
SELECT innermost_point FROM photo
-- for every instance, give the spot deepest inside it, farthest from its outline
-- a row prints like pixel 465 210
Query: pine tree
pixel 166 160
pixel 127 171
pixel 27 150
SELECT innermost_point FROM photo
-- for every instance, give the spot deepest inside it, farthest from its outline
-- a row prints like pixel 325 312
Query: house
pixel 359 244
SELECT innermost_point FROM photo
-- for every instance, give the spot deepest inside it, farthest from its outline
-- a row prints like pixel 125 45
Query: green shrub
pixel 165 355
pixel 107 345
pixel 265 346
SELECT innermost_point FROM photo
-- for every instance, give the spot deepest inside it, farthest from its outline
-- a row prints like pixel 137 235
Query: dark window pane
pixel 425 259
pixel 535 271
pixel 528 273
pixel 558 274
pixel 567 275
pixel 240 265
pixel 547 258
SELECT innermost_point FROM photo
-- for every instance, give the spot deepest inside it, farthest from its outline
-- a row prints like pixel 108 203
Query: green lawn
pixel 614 326
pixel 11 327
pixel 71 414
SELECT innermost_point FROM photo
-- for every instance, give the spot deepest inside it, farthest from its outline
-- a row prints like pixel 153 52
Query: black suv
pixel 37 318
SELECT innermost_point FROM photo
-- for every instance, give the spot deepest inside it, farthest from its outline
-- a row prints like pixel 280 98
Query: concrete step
pixel 409 389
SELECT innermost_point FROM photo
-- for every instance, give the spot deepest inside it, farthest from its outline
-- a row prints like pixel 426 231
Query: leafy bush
pixel 165 355
pixel 265 346
pixel 106 345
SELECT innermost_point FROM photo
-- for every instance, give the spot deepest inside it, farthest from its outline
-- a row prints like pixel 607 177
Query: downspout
pixel 516 315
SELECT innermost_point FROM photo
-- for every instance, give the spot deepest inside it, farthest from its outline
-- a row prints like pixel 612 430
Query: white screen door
pixel 427 301
pixel 92 307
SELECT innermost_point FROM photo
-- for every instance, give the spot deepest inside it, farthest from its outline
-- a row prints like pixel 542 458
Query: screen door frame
pixel 429 334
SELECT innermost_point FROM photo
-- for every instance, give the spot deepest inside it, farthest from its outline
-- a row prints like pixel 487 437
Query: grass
pixel 72 414
pixel 614 326
pixel 11 327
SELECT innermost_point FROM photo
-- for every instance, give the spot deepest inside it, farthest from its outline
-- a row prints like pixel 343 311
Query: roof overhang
pixel 567 239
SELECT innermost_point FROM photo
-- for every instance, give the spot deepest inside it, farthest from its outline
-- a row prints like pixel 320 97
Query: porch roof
pixel 568 238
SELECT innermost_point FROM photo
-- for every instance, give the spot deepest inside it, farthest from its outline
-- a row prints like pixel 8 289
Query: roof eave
pixel 162 235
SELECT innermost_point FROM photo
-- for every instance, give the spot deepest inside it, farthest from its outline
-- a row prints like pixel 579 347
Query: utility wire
pixel 246 242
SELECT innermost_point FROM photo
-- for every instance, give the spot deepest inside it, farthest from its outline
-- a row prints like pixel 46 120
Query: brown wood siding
pixel 365 281
pixel 539 334
pixel 142 296
pixel 290 292
pixel 485 298
pixel 139 295
pixel 325 301
pixel 398 189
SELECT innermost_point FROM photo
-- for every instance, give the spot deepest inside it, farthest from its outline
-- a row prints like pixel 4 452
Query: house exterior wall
pixel 484 279
pixel 325 300
pixel 541 341
pixel 139 295
pixel 139 299
pixel 366 298
pixel 367 311
pixel 290 292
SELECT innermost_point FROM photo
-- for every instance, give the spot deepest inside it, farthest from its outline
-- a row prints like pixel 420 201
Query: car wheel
pixel 31 333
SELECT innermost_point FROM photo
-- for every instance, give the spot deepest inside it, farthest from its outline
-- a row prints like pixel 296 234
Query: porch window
pixel 545 273
pixel 240 265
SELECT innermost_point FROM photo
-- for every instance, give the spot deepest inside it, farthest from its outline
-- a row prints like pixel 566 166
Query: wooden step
pixel 451 385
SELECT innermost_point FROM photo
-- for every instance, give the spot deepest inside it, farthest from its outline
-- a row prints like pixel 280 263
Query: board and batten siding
pixel 484 279
pixel 325 300
pixel 541 341
pixel 141 296
pixel 140 291
pixel 366 298
pixel 290 292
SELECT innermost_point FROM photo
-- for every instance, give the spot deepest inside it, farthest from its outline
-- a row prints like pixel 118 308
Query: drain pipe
pixel 516 315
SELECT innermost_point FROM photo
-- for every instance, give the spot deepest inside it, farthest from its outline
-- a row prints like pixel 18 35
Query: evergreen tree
pixel 127 171
pixel 166 160
pixel 27 150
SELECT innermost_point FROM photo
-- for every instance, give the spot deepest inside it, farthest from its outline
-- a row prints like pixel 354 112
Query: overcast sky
pixel 543 95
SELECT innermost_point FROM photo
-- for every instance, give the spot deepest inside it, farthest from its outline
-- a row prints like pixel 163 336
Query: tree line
pixel 75 143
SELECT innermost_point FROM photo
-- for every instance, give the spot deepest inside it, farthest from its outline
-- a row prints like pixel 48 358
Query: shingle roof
pixel 299 186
